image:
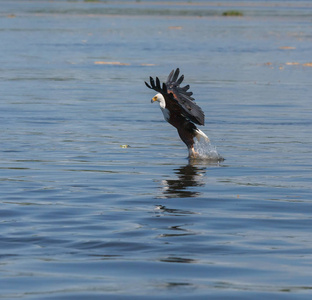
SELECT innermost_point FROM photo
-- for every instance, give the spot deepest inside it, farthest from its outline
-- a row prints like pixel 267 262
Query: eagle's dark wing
pixel 181 94
pixel 178 98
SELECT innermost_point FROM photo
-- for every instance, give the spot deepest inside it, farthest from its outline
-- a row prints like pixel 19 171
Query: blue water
pixel 84 218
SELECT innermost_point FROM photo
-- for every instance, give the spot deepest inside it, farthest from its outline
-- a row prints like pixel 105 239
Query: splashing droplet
pixel 206 151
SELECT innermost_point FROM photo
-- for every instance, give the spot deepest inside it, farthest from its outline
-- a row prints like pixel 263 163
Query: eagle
pixel 179 109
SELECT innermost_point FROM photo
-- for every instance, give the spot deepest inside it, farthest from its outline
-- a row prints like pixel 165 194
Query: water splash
pixel 206 151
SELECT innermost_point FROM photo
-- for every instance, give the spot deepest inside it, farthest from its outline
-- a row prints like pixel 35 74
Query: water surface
pixel 82 217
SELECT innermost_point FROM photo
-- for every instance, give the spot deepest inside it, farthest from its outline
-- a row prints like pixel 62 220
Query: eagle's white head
pixel 160 98
pixel 162 103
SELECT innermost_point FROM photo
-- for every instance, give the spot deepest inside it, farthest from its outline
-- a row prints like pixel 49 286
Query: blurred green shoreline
pixel 166 8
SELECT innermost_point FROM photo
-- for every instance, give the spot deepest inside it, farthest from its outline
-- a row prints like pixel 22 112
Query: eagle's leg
pixel 192 152
pixel 187 133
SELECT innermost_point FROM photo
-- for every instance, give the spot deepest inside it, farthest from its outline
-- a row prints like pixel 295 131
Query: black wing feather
pixel 165 88
pixel 170 75
pixel 174 94
pixel 180 80
pixel 181 94
pixel 148 85
pixel 158 83
pixel 176 75
pixel 156 87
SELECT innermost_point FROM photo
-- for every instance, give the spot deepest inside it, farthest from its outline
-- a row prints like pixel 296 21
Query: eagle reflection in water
pixel 188 176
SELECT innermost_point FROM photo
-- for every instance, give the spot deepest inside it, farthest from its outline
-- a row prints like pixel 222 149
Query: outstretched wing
pixel 184 97
pixel 173 84
pixel 174 94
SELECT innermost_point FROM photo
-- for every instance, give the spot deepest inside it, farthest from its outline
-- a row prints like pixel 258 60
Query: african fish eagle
pixel 179 108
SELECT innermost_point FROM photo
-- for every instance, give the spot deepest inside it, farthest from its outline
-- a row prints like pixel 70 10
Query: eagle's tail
pixel 199 134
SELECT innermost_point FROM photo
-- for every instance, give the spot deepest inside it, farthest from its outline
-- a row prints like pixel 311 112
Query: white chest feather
pixel 166 113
